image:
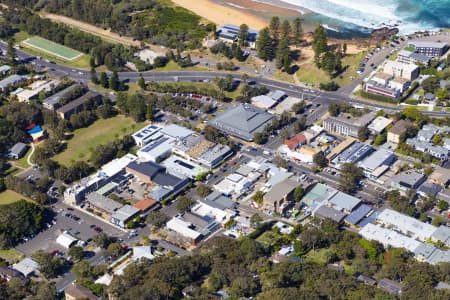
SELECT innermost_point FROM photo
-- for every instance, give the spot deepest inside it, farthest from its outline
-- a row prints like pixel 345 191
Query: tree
pixel 49 265
pixel 141 82
pixel 255 220
pixel 243 34
pixel 274 28
pixel 328 62
pixel 442 205
pixel 285 30
pixel 363 133
pixel 258 197
pixel 203 190
pixel 157 219
pixel 244 78
pixel 76 252
pixel 334 109
pixel 260 138
pixel 297 31
pixel 114 81
pixel 430 84
pixel 319 44
pixel 437 221
pixel 282 54
pixel 11 52
pixel 115 249
pixel 442 94
pixel 320 160
pixel 184 203
pixel 102 240
pixel 264 45
pixel 299 192
pixel 104 80
pixel 350 177
pixel 94 78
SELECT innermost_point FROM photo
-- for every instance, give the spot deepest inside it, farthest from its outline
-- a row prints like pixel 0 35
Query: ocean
pixel 351 17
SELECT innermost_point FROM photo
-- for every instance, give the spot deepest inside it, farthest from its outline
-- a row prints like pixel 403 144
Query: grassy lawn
pixel 282 76
pixel 309 73
pixel 21 36
pixel 318 256
pixel 8 197
pixel 268 237
pixel 10 255
pixel 23 161
pixel 101 132
pixel 81 63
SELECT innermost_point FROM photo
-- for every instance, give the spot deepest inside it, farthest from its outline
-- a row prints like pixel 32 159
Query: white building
pixel 146 135
pixel 399 69
pixel 379 124
pixel 66 240
pixel 233 184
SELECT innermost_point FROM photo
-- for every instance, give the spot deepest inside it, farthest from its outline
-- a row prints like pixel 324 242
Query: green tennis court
pixel 52 48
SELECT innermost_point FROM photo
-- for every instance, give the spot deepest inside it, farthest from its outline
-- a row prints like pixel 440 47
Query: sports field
pixel 52 48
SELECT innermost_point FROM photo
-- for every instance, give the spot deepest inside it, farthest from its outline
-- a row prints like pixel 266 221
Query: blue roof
pixel 35 130
pixel 358 214
pixel 370 219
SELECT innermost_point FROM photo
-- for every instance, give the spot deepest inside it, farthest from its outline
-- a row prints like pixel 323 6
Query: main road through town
pixel 174 76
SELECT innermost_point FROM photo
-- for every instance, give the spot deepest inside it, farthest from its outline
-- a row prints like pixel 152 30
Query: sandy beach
pixel 254 14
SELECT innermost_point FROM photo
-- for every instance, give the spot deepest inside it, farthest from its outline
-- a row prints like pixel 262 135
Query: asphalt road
pixel 290 89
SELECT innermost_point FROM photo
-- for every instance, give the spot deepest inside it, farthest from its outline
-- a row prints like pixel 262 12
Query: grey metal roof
pixel 18 148
pixel 147 168
pixel 103 203
pixel 214 153
pixel 344 201
pixel 429 189
pixel 78 102
pixel 280 190
pixel 124 213
pixel 243 121
pixel 217 200
pixel 176 131
pixel 428 44
pixel 330 213
pixel 53 101
pixel 13 79
pixel 377 159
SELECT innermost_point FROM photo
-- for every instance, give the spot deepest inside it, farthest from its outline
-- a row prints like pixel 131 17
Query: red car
pixel 98 229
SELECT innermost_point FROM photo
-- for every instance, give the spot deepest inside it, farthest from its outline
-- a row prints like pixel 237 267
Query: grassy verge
pixel 80 63
pixel 23 161
pixel 310 74
pixel 101 132
pixel 10 255
pixel 173 66
pixel 8 197
pixel 281 76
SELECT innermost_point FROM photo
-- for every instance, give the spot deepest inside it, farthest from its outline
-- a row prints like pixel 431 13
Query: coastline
pixel 256 14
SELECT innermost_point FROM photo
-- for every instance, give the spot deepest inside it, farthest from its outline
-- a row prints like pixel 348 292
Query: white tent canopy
pixel 66 240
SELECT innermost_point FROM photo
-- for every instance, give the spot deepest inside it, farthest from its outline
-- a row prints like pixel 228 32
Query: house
pixel 344 202
pixel 12 80
pixel 216 206
pixel 123 215
pixel 4 70
pixel 440 176
pixel 390 286
pixel 77 105
pixel 360 277
pixel 242 121
pixel 17 151
pixel 191 228
pixel 429 97
pixel 9 273
pixel 399 69
pixel 233 184
pixel 230 34
pixel 430 49
pixel 78 292
pixel 397 130
pixel 326 212
pixel 27 266
pixel 296 141
pixel 146 205
pixel 280 196
pixel 379 124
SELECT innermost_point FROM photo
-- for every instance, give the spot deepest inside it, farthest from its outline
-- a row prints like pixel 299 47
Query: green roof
pixel 106 188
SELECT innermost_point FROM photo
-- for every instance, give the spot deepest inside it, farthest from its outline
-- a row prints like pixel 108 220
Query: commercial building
pixel 399 69
pixel 397 130
pixel 407 180
pixel 353 154
pixel 27 266
pixel 379 124
pixel 383 90
pixel 124 214
pixel 343 202
pixel 377 163
pixel 410 57
pixel 319 194
pixel 280 197
pixel 215 206
pixel 101 204
pixel 149 133
pixel 191 228
pixel 326 212
pixel 17 151
pixel 52 102
pixel 296 141
pixel 430 49
pixel 77 105
pixel 345 125
pixel 242 121
pixel 233 184
pixel 230 34
pixel 146 205
pixel 358 214
pixel 179 166
pixel 263 102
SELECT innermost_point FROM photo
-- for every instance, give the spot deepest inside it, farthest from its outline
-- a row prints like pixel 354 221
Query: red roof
pixel 145 204
pixel 298 139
